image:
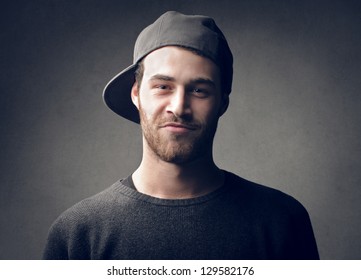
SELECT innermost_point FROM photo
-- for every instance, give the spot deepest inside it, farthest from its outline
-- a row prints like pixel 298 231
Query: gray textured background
pixel 293 122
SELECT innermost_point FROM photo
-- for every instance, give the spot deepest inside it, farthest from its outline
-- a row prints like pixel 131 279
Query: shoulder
pixel 92 210
pixel 87 221
pixel 283 218
pixel 264 199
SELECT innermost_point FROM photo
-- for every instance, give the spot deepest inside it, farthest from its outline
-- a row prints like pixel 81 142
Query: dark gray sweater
pixel 241 220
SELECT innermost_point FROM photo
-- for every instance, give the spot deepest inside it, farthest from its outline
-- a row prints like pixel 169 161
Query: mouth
pixel 178 127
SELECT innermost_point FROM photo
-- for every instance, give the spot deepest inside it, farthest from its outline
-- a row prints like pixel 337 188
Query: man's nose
pixel 179 103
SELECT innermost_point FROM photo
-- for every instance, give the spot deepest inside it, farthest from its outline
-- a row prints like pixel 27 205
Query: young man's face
pixel 179 102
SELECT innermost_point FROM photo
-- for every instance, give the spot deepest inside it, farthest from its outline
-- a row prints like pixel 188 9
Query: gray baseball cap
pixel 171 29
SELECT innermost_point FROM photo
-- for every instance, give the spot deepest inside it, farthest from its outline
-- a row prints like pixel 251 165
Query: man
pixel 178 204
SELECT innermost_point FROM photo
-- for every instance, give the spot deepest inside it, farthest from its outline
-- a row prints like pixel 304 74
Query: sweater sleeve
pixel 56 245
pixel 69 236
pixel 305 247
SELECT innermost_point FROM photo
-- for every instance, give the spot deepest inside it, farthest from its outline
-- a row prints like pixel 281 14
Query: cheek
pixel 206 112
pixel 150 108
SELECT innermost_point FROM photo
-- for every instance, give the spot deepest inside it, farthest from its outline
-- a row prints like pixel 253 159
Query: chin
pixel 178 159
pixel 180 156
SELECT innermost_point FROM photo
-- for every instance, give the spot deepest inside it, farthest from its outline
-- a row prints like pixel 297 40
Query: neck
pixel 166 180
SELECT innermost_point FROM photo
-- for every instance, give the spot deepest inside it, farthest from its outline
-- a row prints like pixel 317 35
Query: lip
pixel 178 127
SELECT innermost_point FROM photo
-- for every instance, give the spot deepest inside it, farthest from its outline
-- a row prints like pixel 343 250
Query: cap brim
pixel 117 94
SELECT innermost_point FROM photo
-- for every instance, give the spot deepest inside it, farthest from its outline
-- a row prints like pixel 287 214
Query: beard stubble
pixel 177 148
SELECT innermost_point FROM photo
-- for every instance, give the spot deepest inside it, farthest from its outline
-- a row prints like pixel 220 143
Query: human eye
pixel 200 92
pixel 162 87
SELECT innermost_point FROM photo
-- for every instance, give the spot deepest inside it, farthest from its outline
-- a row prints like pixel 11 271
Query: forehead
pixel 179 63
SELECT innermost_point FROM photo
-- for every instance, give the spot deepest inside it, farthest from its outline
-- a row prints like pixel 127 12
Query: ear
pixel 224 105
pixel 135 95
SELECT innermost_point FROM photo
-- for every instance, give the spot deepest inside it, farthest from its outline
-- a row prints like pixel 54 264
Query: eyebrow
pixel 193 81
pixel 162 78
pixel 204 81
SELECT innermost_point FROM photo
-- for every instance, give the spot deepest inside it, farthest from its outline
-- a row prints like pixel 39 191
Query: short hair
pixel 139 72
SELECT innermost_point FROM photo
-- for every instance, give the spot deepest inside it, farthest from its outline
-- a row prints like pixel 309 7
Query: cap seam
pixel 158 34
